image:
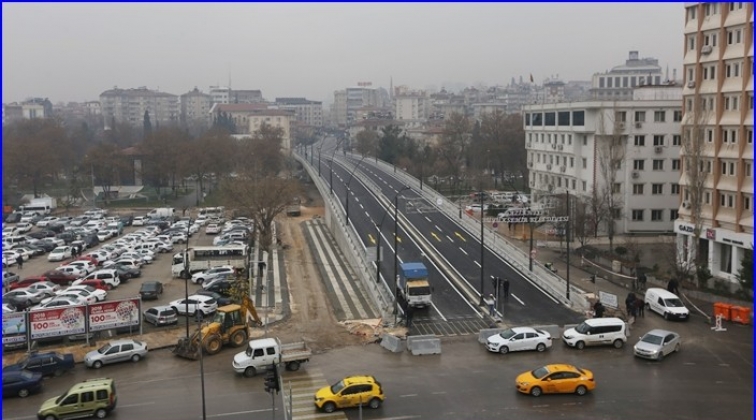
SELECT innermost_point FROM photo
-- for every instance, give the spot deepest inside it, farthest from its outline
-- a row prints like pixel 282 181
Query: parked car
pixel 139 220
pixel 24 227
pixel 161 315
pixel 26 282
pixel 555 379
pixel 212 229
pixel 84 265
pixel 46 287
pixel 47 220
pixel 62 278
pixel 48 364
pixel 666 304
pixel 127 220
pixel 29 250
pixel 41 234
pixel 656 344
pixel 82 295
pixel 8 279
pixel 29 297
pixel 519 338
pixel 13 218
pixel 200 277
pixel 60 253
pixel 21 383
pixel 220 286
pixel 60 302
pixel 96 284
pixel 222 300
pixel 350 392
pixel 116 351
pixel 204 304
pixel 151 290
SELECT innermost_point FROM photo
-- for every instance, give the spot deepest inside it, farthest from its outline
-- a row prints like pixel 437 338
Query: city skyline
pixel 74 52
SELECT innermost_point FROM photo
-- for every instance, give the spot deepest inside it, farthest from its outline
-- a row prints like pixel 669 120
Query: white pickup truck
pixel 263 352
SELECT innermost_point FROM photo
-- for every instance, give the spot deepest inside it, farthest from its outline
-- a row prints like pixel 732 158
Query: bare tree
pixel 106 163
pixel 695 171
pixel 367 143
pixel 581 226
pixel 454 144
pixel 43 138
pixel 611 150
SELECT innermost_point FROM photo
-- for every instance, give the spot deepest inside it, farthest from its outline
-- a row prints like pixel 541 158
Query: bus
pixel 201 258
pixel 212 212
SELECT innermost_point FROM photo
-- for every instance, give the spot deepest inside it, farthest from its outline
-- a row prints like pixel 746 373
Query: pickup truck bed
pixel 295 352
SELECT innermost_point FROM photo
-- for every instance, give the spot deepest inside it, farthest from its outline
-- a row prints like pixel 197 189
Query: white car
pixel 47 221
pixel 114 251
pixel 656 344
pixel 212 229
pixel 24 227
pixel 59 254
pixel 99 294
pixel 104 234
pixel 26 295
pixel 204 304
pixel 146 259
pixel 85 266
pixel 54 241
pixel 58 302
pixel 518 339
pixel 47 288
pixel 131 262
pixel 72 270
pixel 82 295
pixel 139 221
pixel 202 275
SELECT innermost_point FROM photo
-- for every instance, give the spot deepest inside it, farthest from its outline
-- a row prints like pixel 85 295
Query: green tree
pixel 147 124
pixel 745 273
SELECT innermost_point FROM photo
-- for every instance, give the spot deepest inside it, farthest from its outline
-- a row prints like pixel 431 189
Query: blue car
pixel 48 364
pixel 21 382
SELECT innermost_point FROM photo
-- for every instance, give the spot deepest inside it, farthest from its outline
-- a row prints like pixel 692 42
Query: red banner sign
pixel 115 314
pixel 57 322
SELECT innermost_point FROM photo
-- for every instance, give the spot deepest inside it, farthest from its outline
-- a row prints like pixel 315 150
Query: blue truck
pixel 413 284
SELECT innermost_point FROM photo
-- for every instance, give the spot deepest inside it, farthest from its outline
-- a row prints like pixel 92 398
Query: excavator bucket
pixel 188 348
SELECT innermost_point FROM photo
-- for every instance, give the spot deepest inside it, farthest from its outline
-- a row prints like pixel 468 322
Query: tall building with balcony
pixel 618 83
pixel 717 130
pixel 309 113
pixel 195 108
pixel 129 106
pixel 413 107
pixel 628 150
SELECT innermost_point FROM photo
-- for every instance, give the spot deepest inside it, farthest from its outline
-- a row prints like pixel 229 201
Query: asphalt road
pixel 712 377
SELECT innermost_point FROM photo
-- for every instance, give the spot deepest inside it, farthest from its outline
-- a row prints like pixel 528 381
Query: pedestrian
pixel 491 302
pixel 20 262
pixel 409 313
pixel 642 281
pixel 505 287
pixel 598 310
pixel 673 286
pixel 630 304
pixel 639 308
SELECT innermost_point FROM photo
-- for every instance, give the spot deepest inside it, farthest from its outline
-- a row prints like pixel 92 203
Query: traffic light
pixel 271 380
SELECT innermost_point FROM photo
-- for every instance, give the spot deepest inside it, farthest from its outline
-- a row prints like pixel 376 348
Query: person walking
pixel 598 309
pixel 673 286
pixel 639 308
pixel 20 262
pixel 491 302
pixel 630 305
pixel 505 289
pixel 409 313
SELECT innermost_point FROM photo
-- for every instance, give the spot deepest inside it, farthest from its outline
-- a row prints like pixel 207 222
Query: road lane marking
pixel 459 235
pixel 435 236
pixel 450 239
pixel 463 251
pixel 408 395
pixel 438 228
pixel 239 412
pixel 137 404
pixel 518 299
pixel 477 263
pixel 429 220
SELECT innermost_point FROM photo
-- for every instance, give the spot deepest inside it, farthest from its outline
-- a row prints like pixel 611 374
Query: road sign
pixel 539 219
pixel 495 225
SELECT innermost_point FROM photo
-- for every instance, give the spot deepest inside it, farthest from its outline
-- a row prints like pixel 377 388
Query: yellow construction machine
pixel 230 326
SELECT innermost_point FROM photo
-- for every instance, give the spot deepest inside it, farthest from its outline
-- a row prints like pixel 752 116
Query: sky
pixel 75 51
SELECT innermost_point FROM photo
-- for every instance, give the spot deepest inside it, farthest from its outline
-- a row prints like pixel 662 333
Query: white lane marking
pixel 408 395
pixel 137 404
pixel 518 299
pixel 477 263
pixel 429 220
pixel 463 251
pixel 436 226
pixel 450 239
pixel 239 412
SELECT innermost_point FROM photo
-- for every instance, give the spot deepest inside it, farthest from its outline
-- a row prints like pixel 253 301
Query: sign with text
pixel 533 219
pixel 115 314
pixel 57 322
pixel 608 299
pixel 14 327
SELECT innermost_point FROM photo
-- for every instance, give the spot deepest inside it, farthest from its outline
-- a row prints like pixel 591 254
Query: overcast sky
pixel 74 52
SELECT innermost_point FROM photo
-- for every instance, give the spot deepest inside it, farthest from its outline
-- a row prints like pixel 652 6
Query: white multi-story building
pixel 568 146
pixel 220 94
pixel 411 106
pixel 718 110
pixel 618 83
pixel 276 118
pixel 195 108
pixel 306 112
pixel 129 106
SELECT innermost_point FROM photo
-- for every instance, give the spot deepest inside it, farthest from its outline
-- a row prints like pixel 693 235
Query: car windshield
pixel 540 372
pixel 27 374
pixel 507 334
pixel 148 287
pixel 337 387
pixel 652 339
pixel 583 328
pixel 673 303
pixel 419 291
pixel 103 349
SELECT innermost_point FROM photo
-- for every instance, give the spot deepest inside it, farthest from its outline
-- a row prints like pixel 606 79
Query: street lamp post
pixel 482 244
pixel 396 249
pixel 202 365
pixel 321 146
pixel 187 276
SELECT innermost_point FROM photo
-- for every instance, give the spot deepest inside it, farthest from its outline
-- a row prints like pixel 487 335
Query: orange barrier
pixel 723 309
pixel 741 314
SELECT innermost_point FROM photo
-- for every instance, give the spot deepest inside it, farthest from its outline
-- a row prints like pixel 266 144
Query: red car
pixel 27 282
pixel 89 258
pixel 97 284
pixel 59 277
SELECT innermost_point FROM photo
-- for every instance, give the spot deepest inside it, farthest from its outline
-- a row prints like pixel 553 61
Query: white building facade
pixel 566 143
pixel 129 106
pixel 718 103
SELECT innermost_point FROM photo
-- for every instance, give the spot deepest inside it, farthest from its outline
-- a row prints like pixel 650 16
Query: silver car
pixel 656 344
pixel 161 315
pixel 116 351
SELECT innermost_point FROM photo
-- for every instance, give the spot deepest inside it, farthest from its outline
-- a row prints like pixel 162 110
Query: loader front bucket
pixel 187 348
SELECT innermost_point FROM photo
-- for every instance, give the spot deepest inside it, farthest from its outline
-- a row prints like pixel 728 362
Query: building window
pixel 638 189
pixel 691 12
pixel 640 116
pixel 585 185
pixel 564 118
pixel 572 162
pixel 675 189
pixel 638 164
pixel 707 197
pixel 746 202
pixel 658 140
pixel 550 119
pixel 659 116
pixel 616 188
pixel 675 164
pixel 621 116
pixel 657 189
pixel 569 139
pixel 691 43
pixel 658 164
pixel 676 140
pixel 709 135
pixel 573 184
pixel 637 215
pixel 639 140
pixel 749 136
pixel 747 169
pixel 585 163
pixel 585 140
pixel 578 118
pixel 609 81
pixel 673 214
pixel 657 215
pixel 677 116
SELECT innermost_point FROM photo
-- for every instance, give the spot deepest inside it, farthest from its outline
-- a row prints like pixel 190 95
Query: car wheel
pixel 175 309
pixel 503 349
pixel 97 364
pixel 28 303
pixel 108 287
pixel 541 347
pixel 239 338
pixel 666 315
pixel 581 390
pixel 135 358
pixel 50 417
pixel 374 403
pixel 580 345
pixel 213 344
pixel 293 366
pixel 329 407
pixel 101 413
pixel 58 372
pixel 23 392
pixel 250 372
pixel 536 391
pixel 677 347
pixel 618 343
pixel 660 357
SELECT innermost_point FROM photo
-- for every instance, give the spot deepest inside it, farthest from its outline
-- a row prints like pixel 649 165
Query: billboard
pixel 56 322
pixel 115 314
pixel 14 327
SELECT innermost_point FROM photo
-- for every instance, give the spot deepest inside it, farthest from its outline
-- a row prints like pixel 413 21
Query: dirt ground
pixel 311 316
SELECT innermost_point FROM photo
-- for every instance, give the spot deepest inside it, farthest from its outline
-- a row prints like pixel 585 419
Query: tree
pixel 745 273
pixel 261 155
pixel 581 228
pixel 611 149
pixel 213 151
pixel 453 146
pixel 695 171
pixel 162 157
pixel 147 124
pixel 391 144
pixel 367 143
pixel 106 163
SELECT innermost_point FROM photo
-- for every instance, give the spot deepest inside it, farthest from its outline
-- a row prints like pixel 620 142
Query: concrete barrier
pixel 425 346
pixel 413 338
pixel 487 332
pixel 392 343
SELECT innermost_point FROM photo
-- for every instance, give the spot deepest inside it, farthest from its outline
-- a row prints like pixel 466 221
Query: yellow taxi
pixel 556 379
pixel 351 391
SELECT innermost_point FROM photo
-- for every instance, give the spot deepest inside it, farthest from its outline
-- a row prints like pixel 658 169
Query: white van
pixel 597 332
pixel 666 304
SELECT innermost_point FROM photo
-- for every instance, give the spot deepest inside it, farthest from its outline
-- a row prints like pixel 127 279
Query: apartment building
pixel 568 149
pixel 309 113
pixel 195 107
pixel 129 106
pixel 411 106
pixel 618 83
pixel 273 117
pixel 717 128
